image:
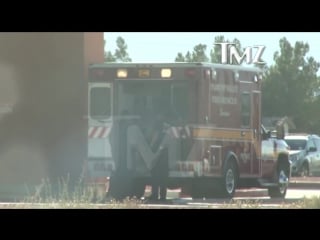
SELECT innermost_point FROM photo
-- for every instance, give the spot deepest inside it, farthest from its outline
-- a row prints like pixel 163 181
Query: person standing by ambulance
pixel 160 170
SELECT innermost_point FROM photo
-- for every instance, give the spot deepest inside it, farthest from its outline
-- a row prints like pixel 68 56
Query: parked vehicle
pixel 304 154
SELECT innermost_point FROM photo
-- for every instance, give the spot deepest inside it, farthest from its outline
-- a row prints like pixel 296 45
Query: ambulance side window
pixel 245 109
pixel 100 103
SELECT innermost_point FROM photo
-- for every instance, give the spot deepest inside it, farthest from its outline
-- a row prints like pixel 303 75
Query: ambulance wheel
pixel 282 181
pixel 229 180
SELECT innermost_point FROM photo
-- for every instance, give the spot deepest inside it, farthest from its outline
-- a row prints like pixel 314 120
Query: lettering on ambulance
pixel 223 90
pixel 223 95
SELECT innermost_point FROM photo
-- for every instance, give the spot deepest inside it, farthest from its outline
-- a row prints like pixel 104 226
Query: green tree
pixel 108 56
pixel 311 121
pixel 121 53
pixel 198 55
pixel 180 58
pixel 199 52
pixel 188 57
pixel 288 89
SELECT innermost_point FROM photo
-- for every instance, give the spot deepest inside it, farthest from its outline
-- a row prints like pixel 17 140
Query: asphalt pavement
pixel 304 183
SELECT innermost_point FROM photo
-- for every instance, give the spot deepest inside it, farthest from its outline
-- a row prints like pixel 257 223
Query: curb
pixel 240 193
pixel 304 185
pixel 253 192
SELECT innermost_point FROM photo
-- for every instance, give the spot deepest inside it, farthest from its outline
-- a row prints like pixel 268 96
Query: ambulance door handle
pixel 243 133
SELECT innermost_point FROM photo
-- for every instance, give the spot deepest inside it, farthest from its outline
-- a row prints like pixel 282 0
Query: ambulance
pixel 216 142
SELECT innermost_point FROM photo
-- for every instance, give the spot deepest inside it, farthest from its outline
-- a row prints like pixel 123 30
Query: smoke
pixel 9 92
pixel 23 163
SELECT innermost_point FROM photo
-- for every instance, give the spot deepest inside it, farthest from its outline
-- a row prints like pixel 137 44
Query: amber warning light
pixel 144 73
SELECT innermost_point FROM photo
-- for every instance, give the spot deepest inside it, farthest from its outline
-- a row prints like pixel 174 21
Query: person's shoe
pixel 151 199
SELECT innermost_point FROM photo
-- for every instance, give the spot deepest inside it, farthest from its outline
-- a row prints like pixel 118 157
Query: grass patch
pixel 242 204
pixel 93 196
pixel 81 193
pixel 310 203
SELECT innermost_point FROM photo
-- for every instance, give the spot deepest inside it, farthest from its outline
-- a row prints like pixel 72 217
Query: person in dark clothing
pixel 159 176
pixel 159 172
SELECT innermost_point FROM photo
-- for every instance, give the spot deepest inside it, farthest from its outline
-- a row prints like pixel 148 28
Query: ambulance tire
pixel 281 190
pixel 229 181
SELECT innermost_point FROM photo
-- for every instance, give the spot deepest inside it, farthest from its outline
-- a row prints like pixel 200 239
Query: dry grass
pixel 94 197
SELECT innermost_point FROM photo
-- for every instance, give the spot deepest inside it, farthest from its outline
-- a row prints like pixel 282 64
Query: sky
pixel 164 46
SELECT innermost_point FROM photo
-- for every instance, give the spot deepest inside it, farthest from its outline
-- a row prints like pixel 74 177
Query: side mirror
pixel 266 135
pixel 269 134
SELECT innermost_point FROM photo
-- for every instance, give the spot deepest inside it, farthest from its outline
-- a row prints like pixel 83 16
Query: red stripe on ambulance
pixel 99 132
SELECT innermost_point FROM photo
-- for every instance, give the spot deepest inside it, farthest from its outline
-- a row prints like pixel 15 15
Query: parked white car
pixel 304 154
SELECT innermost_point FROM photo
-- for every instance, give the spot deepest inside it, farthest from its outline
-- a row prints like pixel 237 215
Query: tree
pixel 288 89
pixel 180 58
pixel 120 54
pixel 108 56
pixel 199 52
pixel 198 55
pixel 188 57
pixel 312 113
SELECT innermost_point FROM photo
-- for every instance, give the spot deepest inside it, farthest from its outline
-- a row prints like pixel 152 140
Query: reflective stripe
pixel 99 132
pixel 180 132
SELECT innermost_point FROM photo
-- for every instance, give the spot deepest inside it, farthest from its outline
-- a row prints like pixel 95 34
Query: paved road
pixel 299 188
pixel 294 196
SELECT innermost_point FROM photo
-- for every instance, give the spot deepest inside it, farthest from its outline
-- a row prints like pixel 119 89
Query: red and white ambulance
pixel 213 115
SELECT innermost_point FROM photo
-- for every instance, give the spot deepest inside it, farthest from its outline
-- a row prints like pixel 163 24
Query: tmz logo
pixel 229 53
